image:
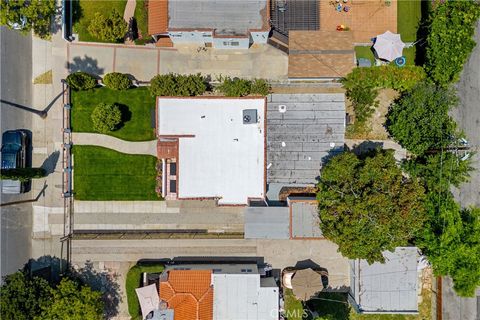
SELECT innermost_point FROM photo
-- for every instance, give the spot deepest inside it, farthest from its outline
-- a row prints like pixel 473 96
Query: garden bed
pixel 105 174
pixel 137 106
pixel 84 11
pixel 133 281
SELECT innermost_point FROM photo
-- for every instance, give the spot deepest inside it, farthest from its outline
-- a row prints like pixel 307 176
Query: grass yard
pixel 132 282
pixel 105 174
pixel 141 16
pixel 137 107
pixel 84 11
pixel 293 307
pixel 409 14
pixel 367 53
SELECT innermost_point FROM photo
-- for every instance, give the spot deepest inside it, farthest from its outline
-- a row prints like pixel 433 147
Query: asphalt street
pixel 15 89
pixel 468 118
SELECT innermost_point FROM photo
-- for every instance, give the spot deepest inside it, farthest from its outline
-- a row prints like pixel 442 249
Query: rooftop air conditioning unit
pixel 250 116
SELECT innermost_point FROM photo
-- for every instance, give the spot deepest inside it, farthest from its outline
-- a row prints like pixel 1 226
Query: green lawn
pixel 293 307
pixel 133 282
pixel 409 14
pixel 141 16
pixel 366 52
pixel 84 11
pixel 137 107
pixel 105 174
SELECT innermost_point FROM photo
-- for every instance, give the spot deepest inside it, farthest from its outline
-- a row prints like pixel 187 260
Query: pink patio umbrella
pixel 389 46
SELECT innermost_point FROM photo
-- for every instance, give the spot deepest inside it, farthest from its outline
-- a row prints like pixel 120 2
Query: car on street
pixel 14 155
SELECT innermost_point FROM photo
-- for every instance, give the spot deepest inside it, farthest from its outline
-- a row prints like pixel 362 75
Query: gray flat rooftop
pixel 228 17
pixel 299 139
pixel 305 220
pixel 388 287
pixel 267 223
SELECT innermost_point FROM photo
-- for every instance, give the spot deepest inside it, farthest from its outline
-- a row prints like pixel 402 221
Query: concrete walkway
pixel 129 10
pixel 102 140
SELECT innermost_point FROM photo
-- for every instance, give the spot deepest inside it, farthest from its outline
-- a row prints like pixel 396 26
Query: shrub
pixel 117 81
pixel 112 28
pixel 177 85
pixel 235 87
pixel 106 117
pixel 260 87
pixel 81 81
pixel 362 84
pixel 449 40
pixel 419 120
pixel 22 174
pixel 242 87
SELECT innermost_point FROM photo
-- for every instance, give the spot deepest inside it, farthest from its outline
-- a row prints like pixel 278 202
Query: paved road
pixel 468 118
pixel 16 87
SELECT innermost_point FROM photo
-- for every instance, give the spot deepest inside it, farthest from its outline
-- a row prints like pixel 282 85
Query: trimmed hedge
pixel 81 81
pixel 242 87
pixel 117 81
pixel 22 174
pixel 178 85
pixel 106 117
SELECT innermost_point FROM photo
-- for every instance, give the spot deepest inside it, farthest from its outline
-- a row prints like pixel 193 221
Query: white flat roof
pixel 224 158
pixel 240 297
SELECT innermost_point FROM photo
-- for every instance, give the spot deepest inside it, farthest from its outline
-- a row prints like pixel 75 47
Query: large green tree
pixel 23 297
pixel 74 302
pixel 419 120
pixel 367 205
pixel 28 297
pixel 28 15
pixel 451 236
pixel 450 39
pixel 451 242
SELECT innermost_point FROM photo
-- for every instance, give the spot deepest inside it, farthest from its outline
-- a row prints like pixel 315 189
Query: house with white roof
pixel 212 148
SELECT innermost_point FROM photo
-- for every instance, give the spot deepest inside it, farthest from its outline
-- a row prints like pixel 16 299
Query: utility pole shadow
pixel 42 113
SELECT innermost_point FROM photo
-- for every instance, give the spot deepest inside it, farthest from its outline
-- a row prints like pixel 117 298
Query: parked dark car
pixel 14 155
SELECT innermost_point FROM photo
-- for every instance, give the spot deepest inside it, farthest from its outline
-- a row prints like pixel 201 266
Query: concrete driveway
pixel 145 62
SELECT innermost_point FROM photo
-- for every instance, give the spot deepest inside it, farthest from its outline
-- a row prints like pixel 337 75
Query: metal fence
pixel 67 179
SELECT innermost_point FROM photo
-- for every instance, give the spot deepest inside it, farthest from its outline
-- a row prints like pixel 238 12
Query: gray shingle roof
pixel 226 16
pixel 298 140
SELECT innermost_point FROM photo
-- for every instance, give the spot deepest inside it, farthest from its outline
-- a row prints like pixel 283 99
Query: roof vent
pixel 249 116
pixel 282 108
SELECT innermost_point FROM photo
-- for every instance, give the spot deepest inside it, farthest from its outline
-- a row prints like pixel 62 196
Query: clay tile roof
pixel 157 16
pixel 189 293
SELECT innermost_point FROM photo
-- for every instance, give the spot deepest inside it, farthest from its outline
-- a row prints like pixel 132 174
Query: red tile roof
pixel 189 293
pixel 157 16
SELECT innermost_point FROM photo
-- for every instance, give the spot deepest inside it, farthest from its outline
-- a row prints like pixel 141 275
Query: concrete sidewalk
pixel 138 215
pixel 106 141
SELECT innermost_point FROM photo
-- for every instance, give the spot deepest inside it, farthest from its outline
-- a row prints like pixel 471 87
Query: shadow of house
pixel 85 64
pixel 366 147
pixel 53 269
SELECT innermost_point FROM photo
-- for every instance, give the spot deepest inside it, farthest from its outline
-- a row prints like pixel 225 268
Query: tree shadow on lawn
pixel 53 269
pixel 126 115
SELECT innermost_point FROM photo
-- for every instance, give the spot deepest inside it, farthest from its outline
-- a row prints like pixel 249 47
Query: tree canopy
pixel 112 28
pixel 27 15
pixel 23 297
pixel 28 297
pixel 367 206
pixel 74 302
pixel 450 39
pixel 419 120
